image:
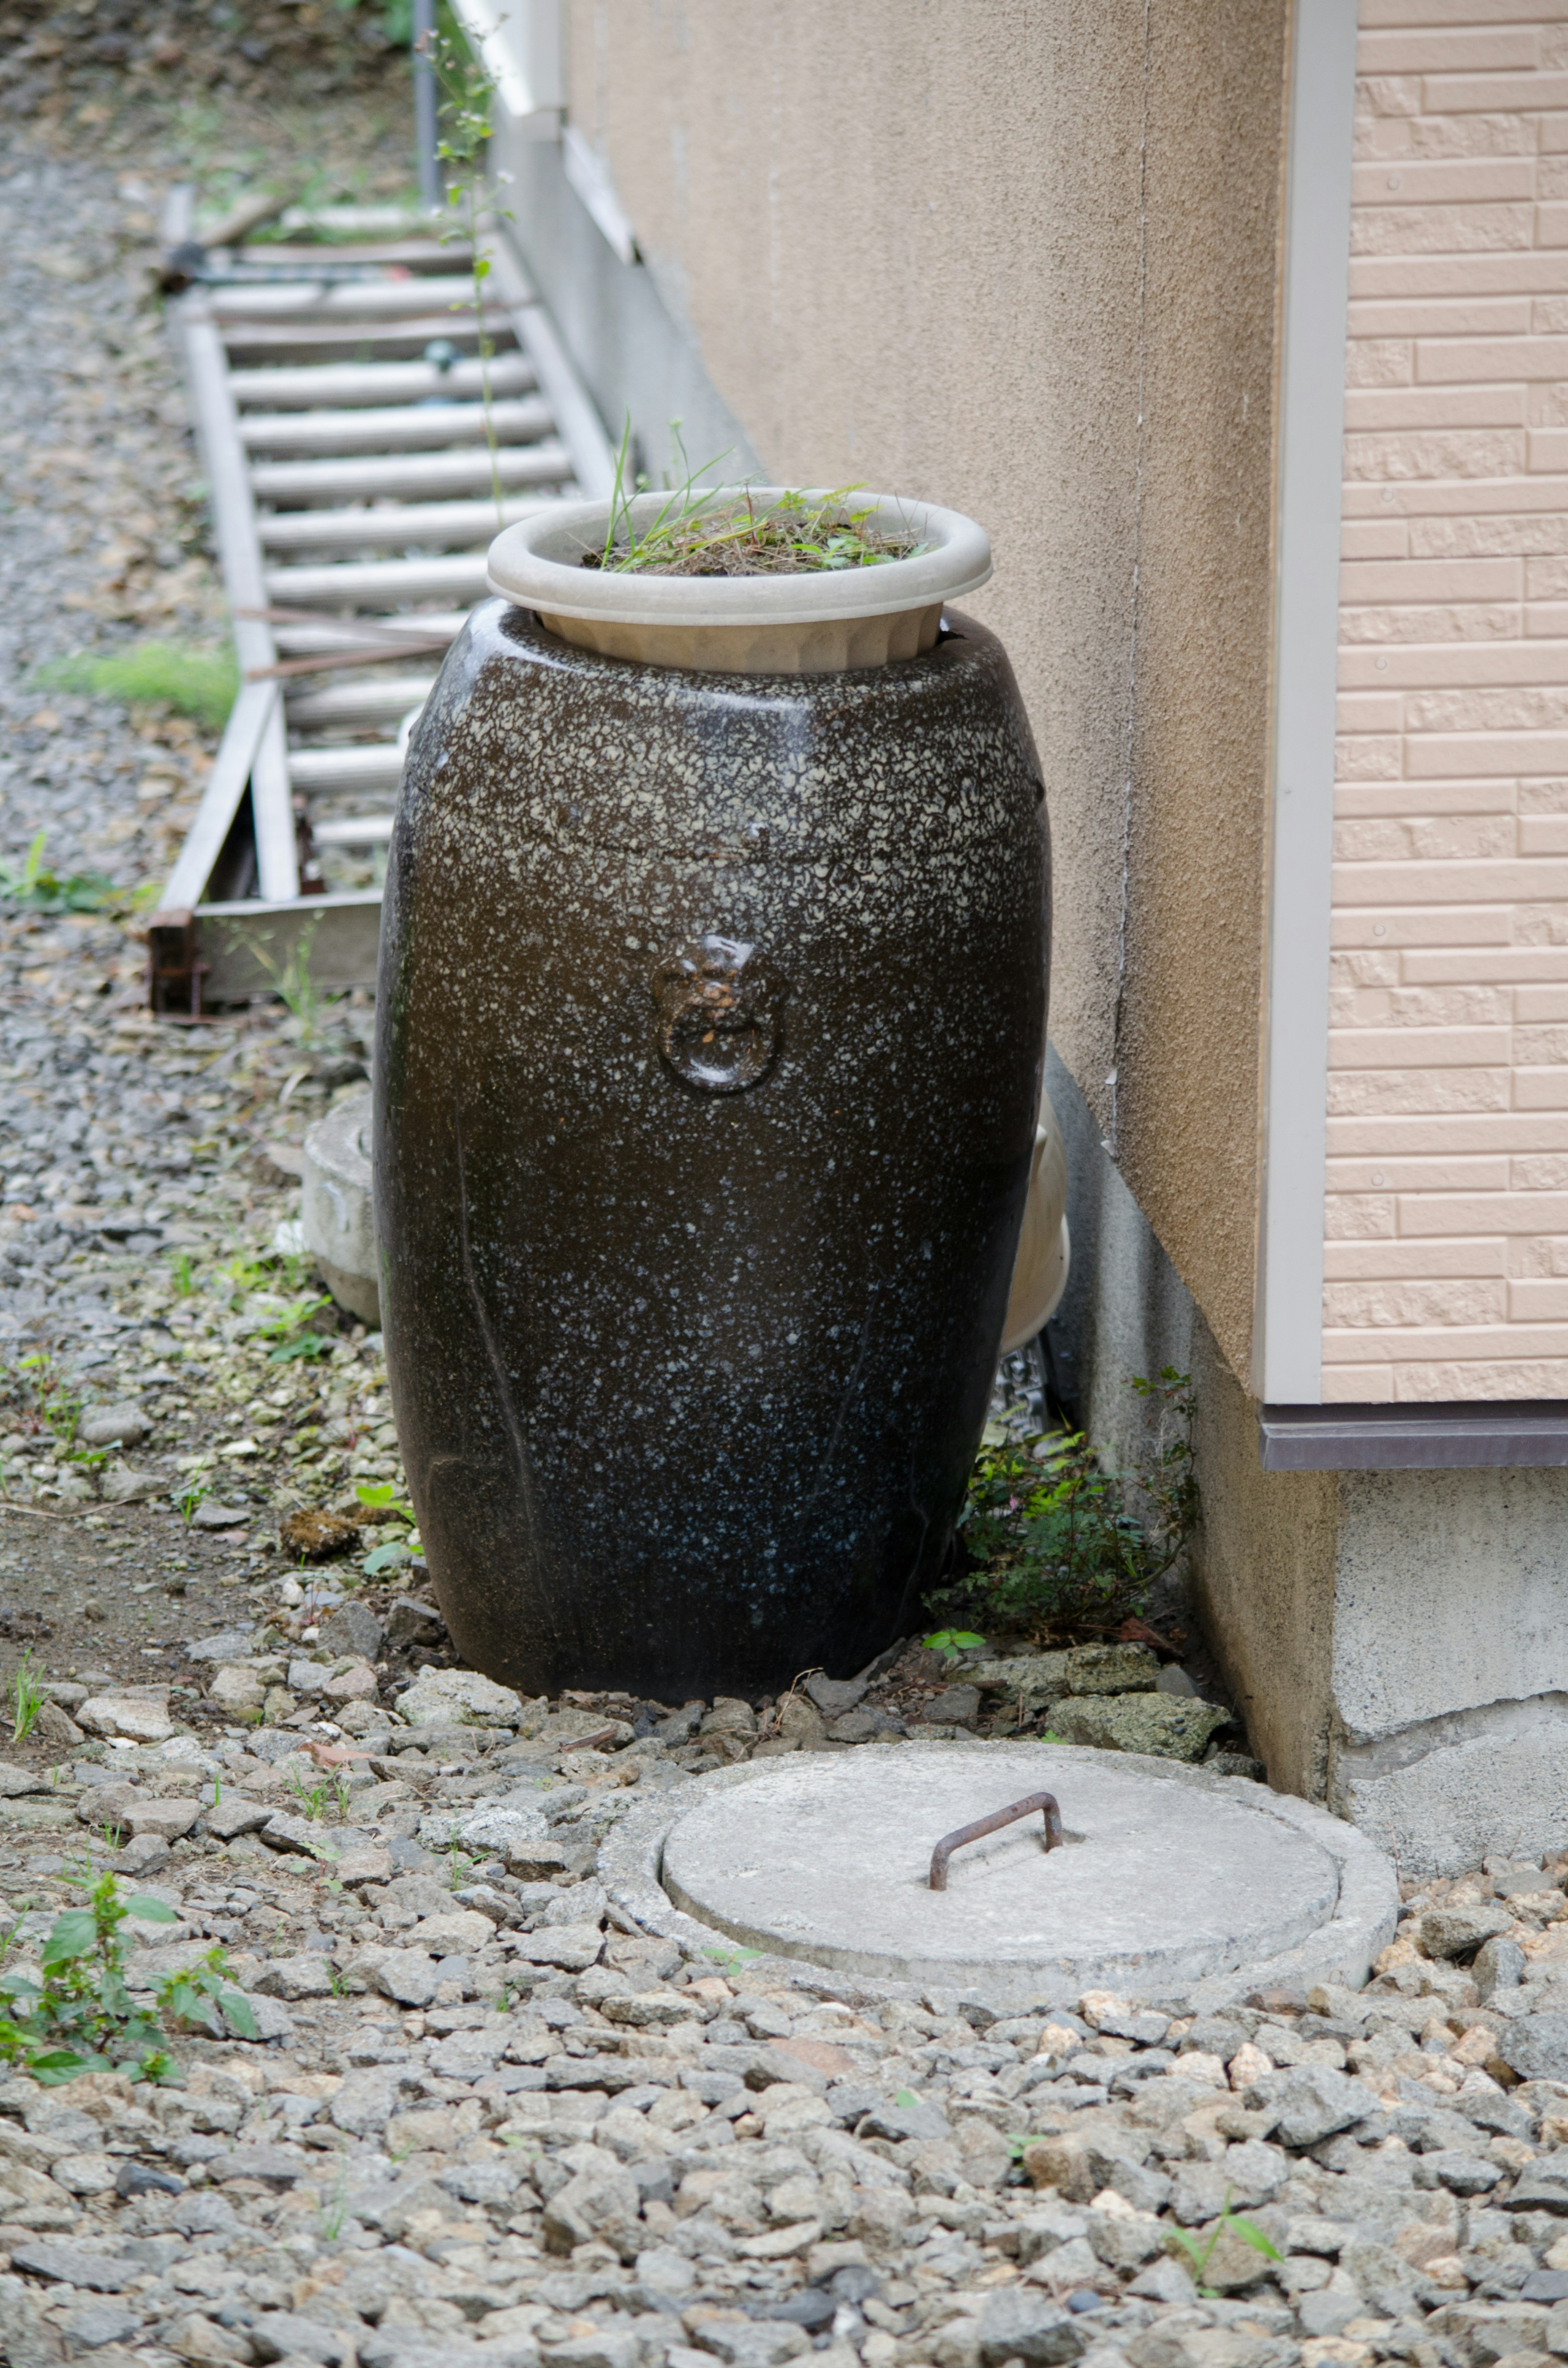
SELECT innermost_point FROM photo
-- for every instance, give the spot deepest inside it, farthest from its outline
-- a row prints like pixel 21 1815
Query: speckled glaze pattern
pixel 690 1341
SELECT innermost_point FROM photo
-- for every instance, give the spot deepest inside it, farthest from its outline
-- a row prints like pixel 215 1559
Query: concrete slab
pixel 1172 1882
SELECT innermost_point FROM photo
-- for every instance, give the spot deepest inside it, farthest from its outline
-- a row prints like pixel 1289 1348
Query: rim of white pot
pixel 537 564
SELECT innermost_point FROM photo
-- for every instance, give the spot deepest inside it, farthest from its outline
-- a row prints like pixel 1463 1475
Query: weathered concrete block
pixel 336 1211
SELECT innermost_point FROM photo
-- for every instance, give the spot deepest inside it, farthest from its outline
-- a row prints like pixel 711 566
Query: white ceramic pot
pixel 819 622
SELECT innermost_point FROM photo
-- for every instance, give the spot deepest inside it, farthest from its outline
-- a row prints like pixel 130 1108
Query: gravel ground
pixel 482 2122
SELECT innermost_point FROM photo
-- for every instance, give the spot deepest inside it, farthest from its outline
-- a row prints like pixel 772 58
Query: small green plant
pixel 730 1961
pixel 202 684
pixel 296 988
pixel 81 2016
pixel 1201 2255
pixel 315 1800
pixel 702 530
pixel 953 1643
pixel 380 1497
pixel 27 1700
pixel 335 2209
pixel 35 889
pixel 182 1276
pixel 195 1492
pixel 1055 1542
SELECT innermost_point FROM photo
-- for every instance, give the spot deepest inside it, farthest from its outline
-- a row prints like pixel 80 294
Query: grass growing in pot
pixel 707 530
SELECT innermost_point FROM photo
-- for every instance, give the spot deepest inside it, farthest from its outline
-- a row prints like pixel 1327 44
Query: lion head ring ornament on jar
pixel 720 1007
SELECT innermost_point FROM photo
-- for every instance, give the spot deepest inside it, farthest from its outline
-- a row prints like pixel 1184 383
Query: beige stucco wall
pixel 1447 1255
pixel 1018 256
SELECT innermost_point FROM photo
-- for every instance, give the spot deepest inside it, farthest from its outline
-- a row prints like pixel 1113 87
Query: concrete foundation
pixel 1397 1640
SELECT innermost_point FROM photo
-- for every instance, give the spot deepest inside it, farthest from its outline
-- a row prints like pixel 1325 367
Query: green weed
pixel 195 1492
pixel 315 1800
pixel 202 684
pixel 953 1643
pixel 38 890
pixel 1201 2255
pixel 182 1276
pixel 27 1700
pixel 80 2017
pixel 1054 1540
pixel 702 530
pixel 730 1961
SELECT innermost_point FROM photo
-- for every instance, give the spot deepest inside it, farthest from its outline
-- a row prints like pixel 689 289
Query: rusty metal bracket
pixel 992 1824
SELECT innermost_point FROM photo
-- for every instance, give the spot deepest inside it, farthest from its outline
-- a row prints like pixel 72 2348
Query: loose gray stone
pixel 123 1425
pixel 602 2203
pixel 833 1696
pixel 353 1628
pixel 1308 2103
pixel 1536 2046
pixel 1459 1932
pixel 1499 1964
pixel 72 2265
pixel 282 2335
pixel 1015 2325
pixel 1463 2174
pixel 99 2322
pixel 408 1976
pixel 1160 1724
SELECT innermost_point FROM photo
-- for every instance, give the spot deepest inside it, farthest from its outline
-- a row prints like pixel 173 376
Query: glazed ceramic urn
pixel 712 1011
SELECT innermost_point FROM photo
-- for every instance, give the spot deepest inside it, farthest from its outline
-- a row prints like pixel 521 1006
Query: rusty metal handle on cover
pixel 992 1824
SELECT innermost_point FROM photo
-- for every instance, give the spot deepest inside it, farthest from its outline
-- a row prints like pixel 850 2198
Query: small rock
pixel 459 1698
pixel 14 1782
pixel 1499 1964
pixel 500 1831
pixel 143 1852
pixel 84 2174
pixel 799 1721
pixel 234 1815
pixel 72 2265
pixel 598 2203
pixel 1162 1724
pixel 54 1730
pixel 860 1725
pixel 165 1819
pixel 138 1719
pixel 355 1684
pixel 215 1516
pixel 305 1976
pixel 1308 2102
pixel 412 1623
pixel 1111 1669
pixel 240 1691
pixel 407 1977
pixel 572 1947
pixel 124 1424
pixel 353 1628
pixel 121 1486
pixel 954 1706
pixel 728 1716
pixel 97 2322
pixel 1017 2325
pixel 833 1696
pixel 1536 2046
pixel 228 1645
pixel 1456 1932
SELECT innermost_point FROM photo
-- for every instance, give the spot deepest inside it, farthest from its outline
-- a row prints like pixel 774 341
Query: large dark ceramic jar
pixel 711 1013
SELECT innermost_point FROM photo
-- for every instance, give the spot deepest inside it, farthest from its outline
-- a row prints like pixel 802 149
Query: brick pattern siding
pixel 1447 1270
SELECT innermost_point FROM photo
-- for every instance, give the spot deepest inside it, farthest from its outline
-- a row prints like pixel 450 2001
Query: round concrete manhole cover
pixel 1166 1878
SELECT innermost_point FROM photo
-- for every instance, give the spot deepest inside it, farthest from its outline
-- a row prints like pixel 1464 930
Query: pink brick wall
pixel 1447 1266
